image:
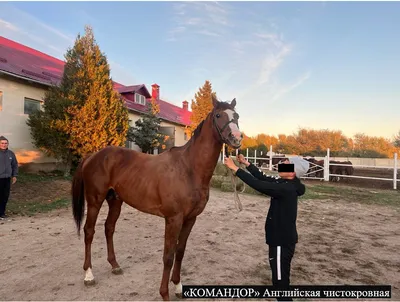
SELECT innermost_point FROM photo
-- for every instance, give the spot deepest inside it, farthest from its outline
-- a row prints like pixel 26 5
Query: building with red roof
pixel 25 75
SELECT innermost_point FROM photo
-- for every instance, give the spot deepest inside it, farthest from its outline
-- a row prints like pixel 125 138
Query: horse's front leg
pixel 180 251
pixel 173 227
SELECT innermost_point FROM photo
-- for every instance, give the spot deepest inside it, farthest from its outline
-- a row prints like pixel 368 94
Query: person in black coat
pixel 8 174
pixel 280 226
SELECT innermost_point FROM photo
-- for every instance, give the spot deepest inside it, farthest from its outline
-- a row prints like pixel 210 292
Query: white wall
pixel 13 120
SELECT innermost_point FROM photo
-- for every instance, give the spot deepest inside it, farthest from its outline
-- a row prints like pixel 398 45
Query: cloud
pixel 247 55
pixel 4 25
pixel 271 62
pixel 174 32
pixel 122 75
pixel 24 28
pixel 48 39
pixel 199 18
pixel 288 88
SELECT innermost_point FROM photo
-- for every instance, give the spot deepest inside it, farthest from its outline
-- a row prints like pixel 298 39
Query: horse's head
pixel 226 122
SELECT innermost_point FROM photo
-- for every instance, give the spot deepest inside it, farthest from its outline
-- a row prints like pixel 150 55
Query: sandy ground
pixel 339 243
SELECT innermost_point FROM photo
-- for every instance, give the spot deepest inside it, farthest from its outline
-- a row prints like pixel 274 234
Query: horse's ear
pixel 214 100
pixel 233 103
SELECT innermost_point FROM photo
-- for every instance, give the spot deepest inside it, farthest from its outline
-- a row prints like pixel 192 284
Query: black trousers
pixel 5 186
pixel 280 258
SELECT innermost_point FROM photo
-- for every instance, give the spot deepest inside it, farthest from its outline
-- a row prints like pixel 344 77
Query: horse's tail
pixel 78 196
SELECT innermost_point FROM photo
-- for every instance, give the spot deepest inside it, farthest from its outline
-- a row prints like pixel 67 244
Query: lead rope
pixel 238 204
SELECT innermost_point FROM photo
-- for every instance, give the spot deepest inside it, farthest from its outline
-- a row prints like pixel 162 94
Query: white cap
pixel 301 166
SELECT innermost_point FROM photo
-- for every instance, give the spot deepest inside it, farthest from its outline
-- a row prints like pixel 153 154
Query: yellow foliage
pixel 201 107
pixel 311 140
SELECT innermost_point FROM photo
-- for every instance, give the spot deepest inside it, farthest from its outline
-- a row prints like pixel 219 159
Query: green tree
pixel 396 141
pixel 97 116
pixel 201 106
pixel 146 132
pixel 45 136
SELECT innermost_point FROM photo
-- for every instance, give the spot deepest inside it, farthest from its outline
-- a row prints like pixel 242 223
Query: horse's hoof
pixel 117 271
pixel 90 282
pixel 178 290
pixel 179 295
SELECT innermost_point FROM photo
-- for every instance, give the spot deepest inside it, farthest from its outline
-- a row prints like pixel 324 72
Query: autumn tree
pixel 370 146
pixel 201 106
pixel 97 116
pixel 266 140
pixel 84 113
pixel 248 142
pixel 146 132
pixel 313 142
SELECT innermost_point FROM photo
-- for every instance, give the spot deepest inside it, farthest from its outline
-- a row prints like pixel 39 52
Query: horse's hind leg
pixel 113 215
pixel 180 251
pixel 94 207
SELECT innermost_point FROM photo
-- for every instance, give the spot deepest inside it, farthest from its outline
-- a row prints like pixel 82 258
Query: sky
pixel 315 65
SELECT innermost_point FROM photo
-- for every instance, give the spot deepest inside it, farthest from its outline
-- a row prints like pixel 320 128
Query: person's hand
pixel 241 159
pixel 230 164
pixel 14 180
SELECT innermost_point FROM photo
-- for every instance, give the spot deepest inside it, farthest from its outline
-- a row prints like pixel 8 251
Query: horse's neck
pixel 204 152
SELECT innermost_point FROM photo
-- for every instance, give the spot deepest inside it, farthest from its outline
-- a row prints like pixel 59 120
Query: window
pixel 1 100
pixel 140 99
pixel 31 105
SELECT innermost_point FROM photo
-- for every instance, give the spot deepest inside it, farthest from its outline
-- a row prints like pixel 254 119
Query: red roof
pixel 22 61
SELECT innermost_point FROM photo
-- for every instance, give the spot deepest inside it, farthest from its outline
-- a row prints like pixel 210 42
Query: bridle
pixel 220 131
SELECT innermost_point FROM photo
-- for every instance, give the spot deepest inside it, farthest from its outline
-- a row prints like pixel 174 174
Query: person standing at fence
pixel 8 174
pixel 280 226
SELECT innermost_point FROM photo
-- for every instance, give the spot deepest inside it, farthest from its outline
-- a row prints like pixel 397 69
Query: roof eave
pixel 164 119
pixel 24 78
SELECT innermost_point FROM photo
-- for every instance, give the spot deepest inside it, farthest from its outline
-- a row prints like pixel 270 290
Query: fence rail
pixel 378 163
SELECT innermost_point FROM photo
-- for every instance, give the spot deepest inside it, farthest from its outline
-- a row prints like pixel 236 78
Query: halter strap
pixel 223 128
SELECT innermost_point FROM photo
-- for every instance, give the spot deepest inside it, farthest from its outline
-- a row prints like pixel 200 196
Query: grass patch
pixel 39 193
pixel 25 178
pixel 348 194
pixel 31 208
pixel 352 194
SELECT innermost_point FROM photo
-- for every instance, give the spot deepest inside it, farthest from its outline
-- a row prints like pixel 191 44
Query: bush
pixel 217 180
pixel 221 169
pixel 227 186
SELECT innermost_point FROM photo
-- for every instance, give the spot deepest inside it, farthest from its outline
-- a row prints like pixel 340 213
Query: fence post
pixel 223 152
pixel 395 172
pixel 255 156
pixel 247 154
pixel 270 158
pixel 326 166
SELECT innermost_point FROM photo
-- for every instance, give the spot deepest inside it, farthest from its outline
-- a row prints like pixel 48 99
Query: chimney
pixel 185 105
pixel 155 93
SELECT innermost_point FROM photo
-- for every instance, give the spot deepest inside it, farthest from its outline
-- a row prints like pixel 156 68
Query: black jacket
pixel 8 164
pixel 280 225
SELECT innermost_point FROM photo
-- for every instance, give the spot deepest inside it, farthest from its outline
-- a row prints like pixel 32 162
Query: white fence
pixel 321 170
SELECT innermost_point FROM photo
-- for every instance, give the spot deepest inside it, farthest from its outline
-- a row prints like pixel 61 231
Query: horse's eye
pixel 218 115
pixel 236 116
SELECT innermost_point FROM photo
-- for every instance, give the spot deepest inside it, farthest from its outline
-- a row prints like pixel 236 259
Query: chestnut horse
pixel 173 185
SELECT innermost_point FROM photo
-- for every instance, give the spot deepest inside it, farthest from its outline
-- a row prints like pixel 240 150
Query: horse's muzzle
pixel 235 139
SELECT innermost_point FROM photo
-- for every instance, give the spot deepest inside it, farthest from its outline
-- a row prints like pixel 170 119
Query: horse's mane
pixel 197 131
